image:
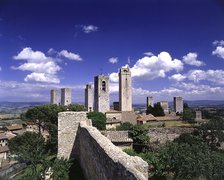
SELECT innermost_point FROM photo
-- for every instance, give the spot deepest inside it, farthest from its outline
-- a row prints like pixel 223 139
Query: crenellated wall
pixel 98 157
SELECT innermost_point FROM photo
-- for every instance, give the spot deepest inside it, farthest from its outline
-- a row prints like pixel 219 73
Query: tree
pixel 157 110
pixel 46 117
pixel 124 126
pixel 212 132
pixel 30 147
pixel 60 169
pixel 139 134
pixel 98 120
pixel 188 115
pixel 187 157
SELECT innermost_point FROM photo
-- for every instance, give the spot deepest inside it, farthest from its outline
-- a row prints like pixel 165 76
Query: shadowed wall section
pixel 98 157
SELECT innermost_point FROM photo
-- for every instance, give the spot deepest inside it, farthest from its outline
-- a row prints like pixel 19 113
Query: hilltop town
pixel 121 128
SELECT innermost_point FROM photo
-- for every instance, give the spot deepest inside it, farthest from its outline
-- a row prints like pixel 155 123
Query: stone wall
pixel 161 135
pixel 99 158
pixel 68 123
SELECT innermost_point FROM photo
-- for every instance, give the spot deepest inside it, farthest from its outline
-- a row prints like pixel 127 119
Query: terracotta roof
pixel 13 128
pixel 4 149
pixel 3 136
pixel 117 136
pixel 113 121
pixel 148 117
pixel 167 118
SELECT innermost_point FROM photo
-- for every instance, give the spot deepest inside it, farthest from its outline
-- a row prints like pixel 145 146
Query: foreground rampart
pixel 98 157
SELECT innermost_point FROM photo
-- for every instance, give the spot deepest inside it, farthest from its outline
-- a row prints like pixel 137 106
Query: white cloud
pixel 113 60
pixel 70 55
pixel 31 56
pixel 156 66
pixel 197 75
pixel 26 91
pixel 43 68
pixel 51 51
pixel 215 76
pixel 219 43
pixel 219 51
pixel 177 77
pixel 89 28
pixel 148 54
pixel 191 59
pixel 114 77
pixel 153 67
pixel 42 77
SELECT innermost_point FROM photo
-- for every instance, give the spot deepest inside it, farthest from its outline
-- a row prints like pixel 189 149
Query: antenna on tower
pixel 129 61
pixel 101 71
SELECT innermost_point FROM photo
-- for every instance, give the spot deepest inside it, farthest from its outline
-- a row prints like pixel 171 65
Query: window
pixel 103 85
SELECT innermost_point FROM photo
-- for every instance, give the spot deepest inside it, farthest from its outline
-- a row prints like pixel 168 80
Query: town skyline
pixel 172 48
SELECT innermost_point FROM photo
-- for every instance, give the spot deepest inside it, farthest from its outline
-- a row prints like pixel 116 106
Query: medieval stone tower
pixel 178 104
pixel 101 94
pixel 125 89
pixel 54 96
pixel 89 97
pixel 66 96
pixel 149 101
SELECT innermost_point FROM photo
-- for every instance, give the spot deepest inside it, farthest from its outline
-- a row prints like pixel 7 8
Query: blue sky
pixel 173 47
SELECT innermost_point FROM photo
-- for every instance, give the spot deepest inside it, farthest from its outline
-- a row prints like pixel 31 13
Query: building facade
pixel 178 104
pixel 101 94
pixel 89 97
pixel 66 96
pixel 125 89
pixel 54 96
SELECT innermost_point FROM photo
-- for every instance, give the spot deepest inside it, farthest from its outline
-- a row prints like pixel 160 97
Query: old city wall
pixel 98 157
pixel 160 135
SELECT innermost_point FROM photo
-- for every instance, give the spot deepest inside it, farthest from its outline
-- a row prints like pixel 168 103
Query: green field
pixel 12 121
pixel 169 124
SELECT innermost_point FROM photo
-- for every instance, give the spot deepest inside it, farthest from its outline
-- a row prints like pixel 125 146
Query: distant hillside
pixel 204 103
pixel 17 107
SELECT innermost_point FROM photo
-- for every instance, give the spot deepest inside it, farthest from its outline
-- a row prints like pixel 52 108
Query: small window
pixel 103 85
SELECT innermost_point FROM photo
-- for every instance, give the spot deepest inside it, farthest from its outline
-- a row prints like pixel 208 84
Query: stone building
pixel 198 115
pixel 119 138
pixel 54 96
pixel 101 94
pixel 125 89
pixel 4 149
pixel 178 104
pixel 66 96
pixel 149 101
pixel 89 98
pixel 164 105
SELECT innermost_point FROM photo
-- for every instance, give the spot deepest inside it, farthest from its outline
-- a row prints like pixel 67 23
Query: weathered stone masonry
pixel 98 157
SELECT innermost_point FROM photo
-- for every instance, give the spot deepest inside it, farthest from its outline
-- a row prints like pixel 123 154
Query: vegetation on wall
pixel 98 120
pixel 38 154
pixel 190 156
pixel 157 110
pixel 31 148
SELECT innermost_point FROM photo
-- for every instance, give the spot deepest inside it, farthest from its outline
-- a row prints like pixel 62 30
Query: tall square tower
pixel 178 104
pixel 54 96
pixel 66 96
pixel 89 98
pixel 101 94
pixel 125 89
pixel 149 101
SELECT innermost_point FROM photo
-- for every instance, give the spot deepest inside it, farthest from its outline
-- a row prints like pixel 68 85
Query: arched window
pixel 103 85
